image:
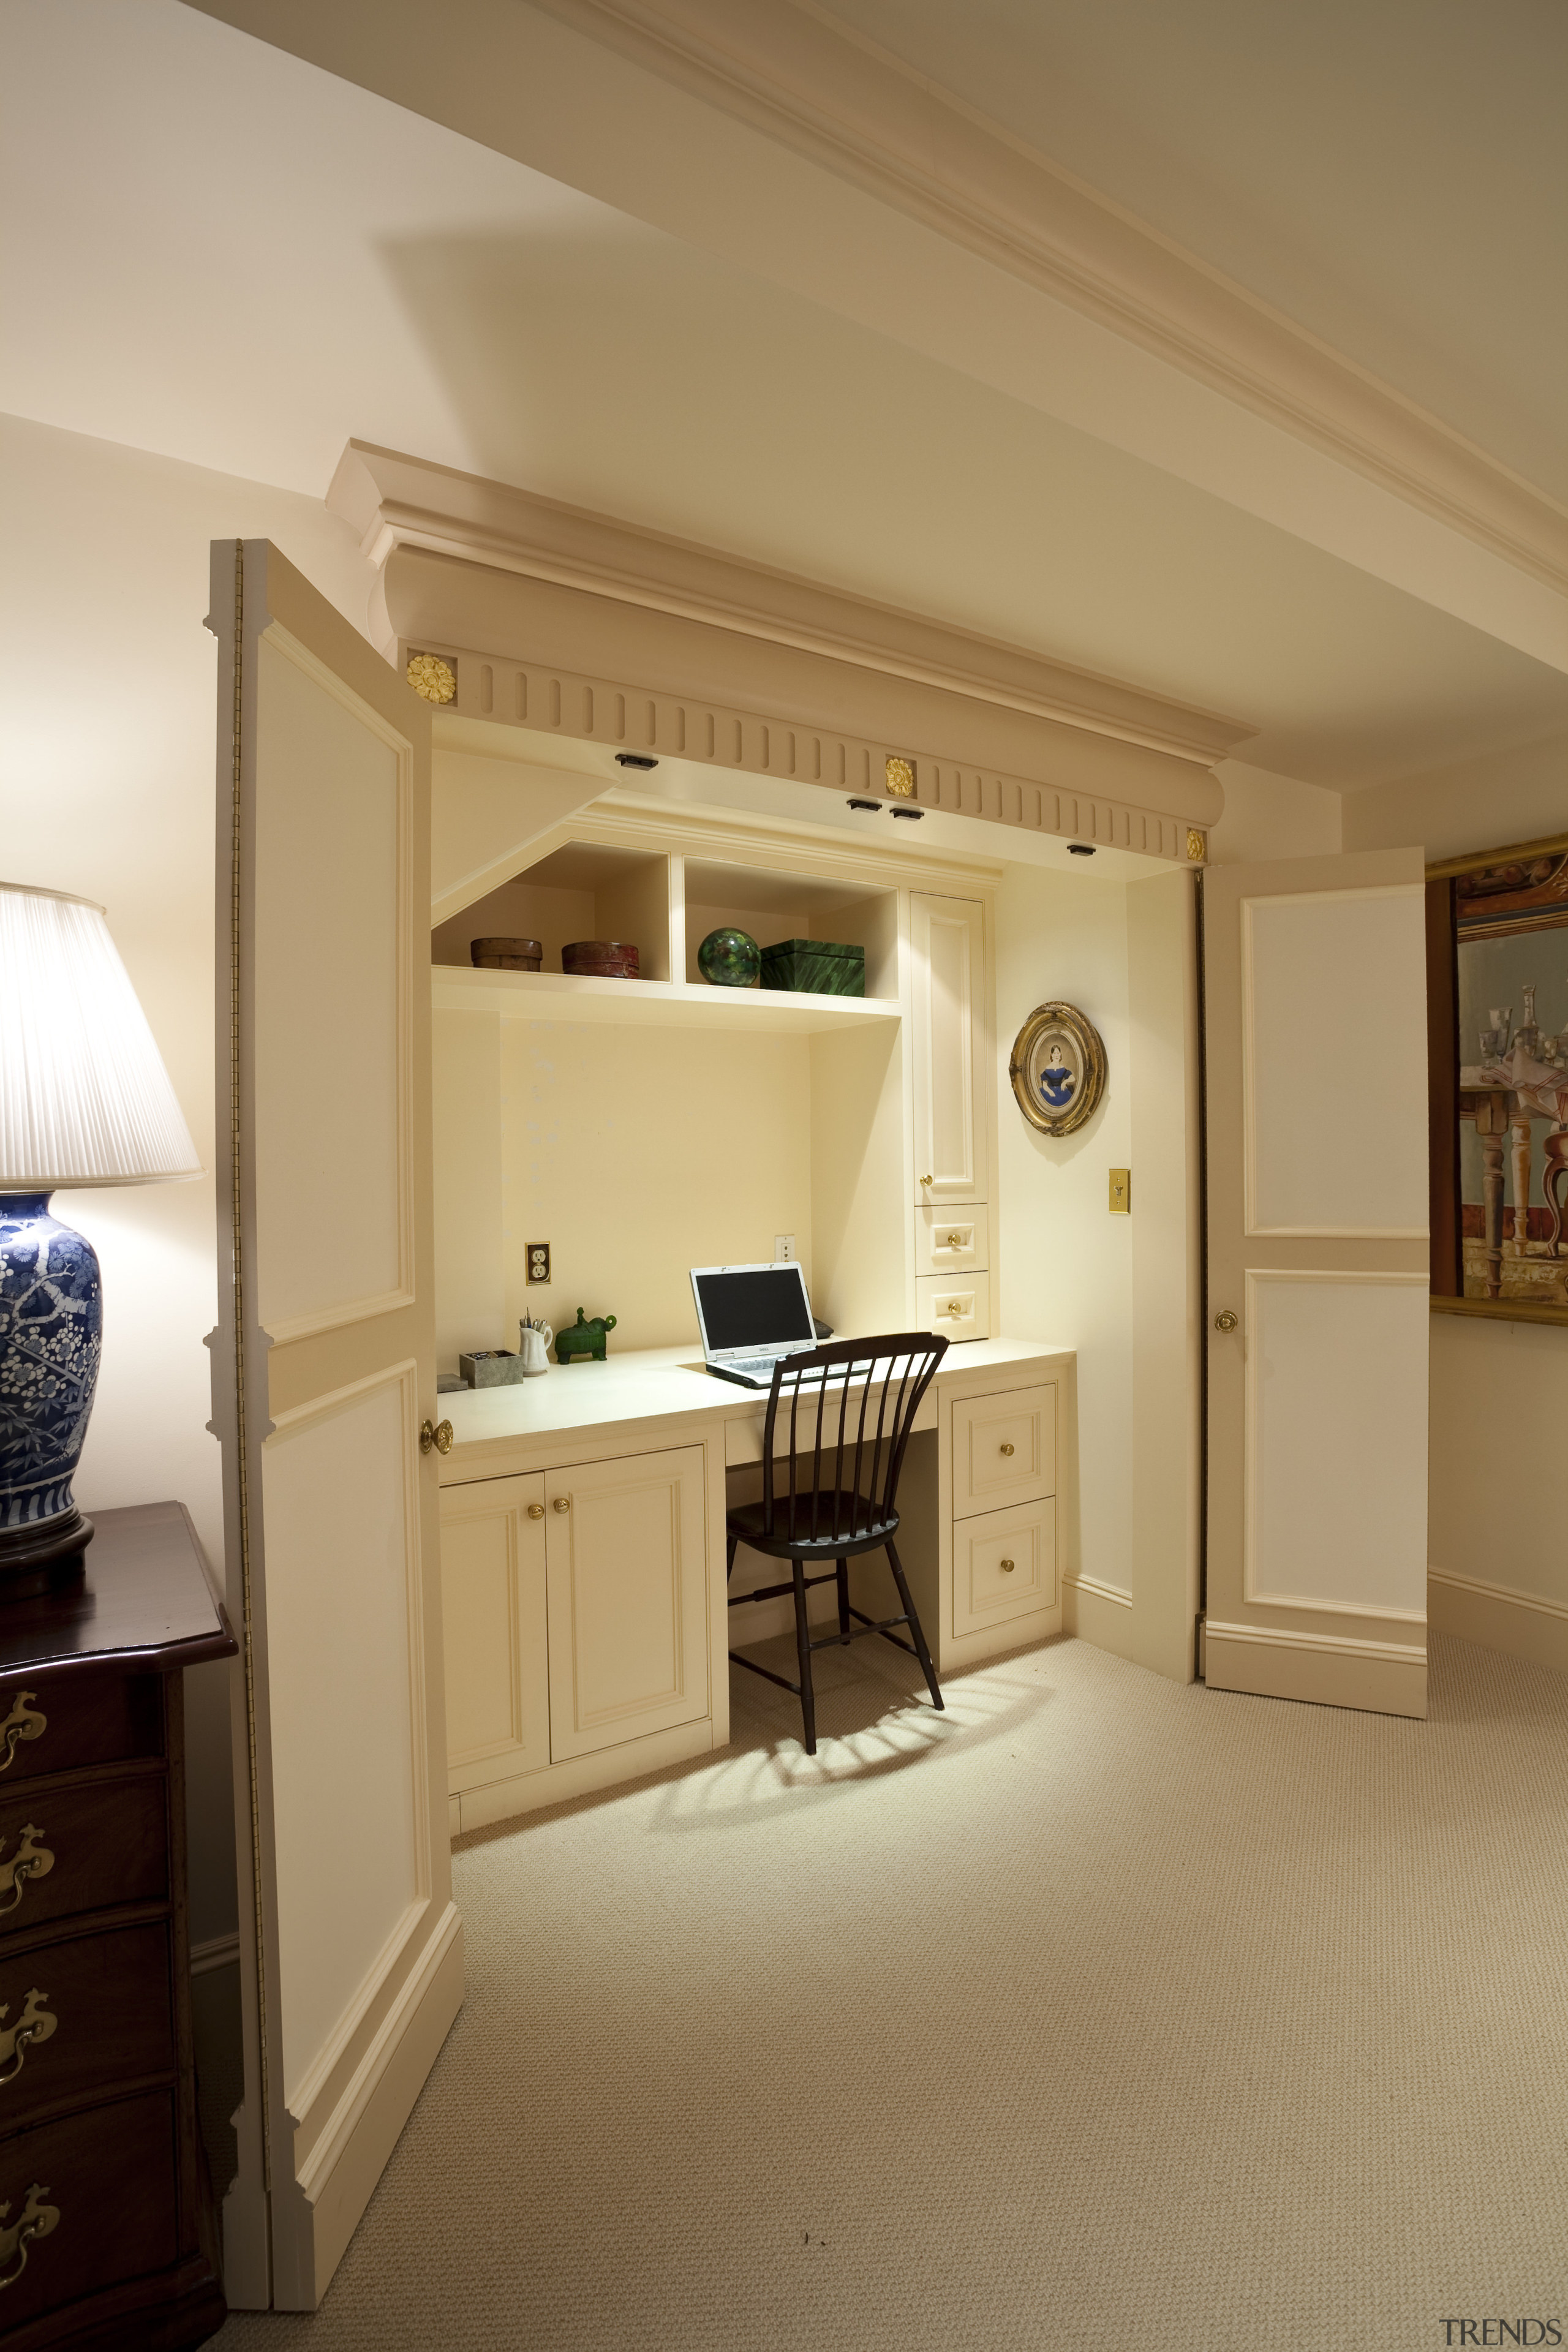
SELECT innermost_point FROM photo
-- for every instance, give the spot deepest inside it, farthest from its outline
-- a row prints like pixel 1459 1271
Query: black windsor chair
pixel 873 1388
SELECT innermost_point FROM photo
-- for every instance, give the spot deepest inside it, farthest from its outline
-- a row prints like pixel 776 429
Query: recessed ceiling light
pixel 1079 849
pixel 913 815
pixel 635 759
pixel 875 806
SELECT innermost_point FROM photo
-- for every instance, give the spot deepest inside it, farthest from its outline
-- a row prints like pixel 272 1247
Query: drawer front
pixel 91 2201
pixel 1003 1449
pixel 78 2016
pixel 67 1848
pixel 1005 1565
pixel 952 1241
pixel 959 1305
pixel 52 1724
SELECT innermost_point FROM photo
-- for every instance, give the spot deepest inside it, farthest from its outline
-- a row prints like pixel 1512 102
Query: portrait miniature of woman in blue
pixel 1057 1081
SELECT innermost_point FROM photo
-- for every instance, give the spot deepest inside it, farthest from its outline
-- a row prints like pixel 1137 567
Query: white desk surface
pixel 647 1385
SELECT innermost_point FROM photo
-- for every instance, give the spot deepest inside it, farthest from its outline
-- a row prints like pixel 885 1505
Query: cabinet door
pixel 1003 1448
pixel 493 1613
pixel 628 1598
pixel 947 940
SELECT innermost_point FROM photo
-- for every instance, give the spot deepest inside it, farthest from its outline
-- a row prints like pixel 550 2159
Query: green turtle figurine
pixel 585 1339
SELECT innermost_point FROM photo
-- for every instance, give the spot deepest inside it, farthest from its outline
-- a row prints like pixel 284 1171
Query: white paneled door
pixel 323 1371
pixel 1316 1033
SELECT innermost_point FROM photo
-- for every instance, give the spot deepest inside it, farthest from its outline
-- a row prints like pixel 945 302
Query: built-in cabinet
pixel 575 1615
pixel 951 1105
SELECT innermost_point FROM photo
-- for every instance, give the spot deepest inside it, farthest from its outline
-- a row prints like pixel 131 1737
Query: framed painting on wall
pixel 1497 967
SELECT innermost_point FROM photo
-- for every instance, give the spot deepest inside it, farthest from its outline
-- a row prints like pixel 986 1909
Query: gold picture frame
pixel 1058 1069
pixel 1497 940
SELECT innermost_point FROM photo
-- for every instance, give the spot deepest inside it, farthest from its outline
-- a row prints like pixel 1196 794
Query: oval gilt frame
pixel 1061 1021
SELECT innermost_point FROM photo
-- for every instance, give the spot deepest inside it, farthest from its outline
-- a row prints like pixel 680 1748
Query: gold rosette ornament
pixel 429 675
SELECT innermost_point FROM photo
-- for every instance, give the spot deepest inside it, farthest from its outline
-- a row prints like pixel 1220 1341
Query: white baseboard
pixel 1499 1617
pixel 582 1775
pixel 1100 1614
pixel 1327 1669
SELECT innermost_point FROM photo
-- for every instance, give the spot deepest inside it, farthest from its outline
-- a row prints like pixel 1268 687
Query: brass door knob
pixel 1006 1449
pixel 1007 1568
pixel 561 1502
pixel 438 1435
pixel 536 1510
pixel 1225 1321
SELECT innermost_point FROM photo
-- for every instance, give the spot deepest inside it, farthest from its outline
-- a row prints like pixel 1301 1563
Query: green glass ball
pixel 730 959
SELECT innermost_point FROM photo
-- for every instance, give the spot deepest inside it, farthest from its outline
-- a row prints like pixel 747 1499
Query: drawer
pixel 100 2187
pixel 1003 1449
pixel 952 1241
pixel 78 2016
pixel 52 1724
pixel 81 1845
pixel 1005 1565
pixel 958 1305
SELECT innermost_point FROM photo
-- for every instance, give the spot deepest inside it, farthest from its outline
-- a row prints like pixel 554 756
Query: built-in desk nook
pixel 583 1555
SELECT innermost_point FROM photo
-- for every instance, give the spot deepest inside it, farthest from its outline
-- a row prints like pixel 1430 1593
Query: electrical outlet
pixel 784 1249
pixel 537 1256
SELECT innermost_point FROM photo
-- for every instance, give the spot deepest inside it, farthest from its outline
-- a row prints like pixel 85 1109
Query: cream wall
pixel 107 784
pixel 1066 1262
pixel 1499 1391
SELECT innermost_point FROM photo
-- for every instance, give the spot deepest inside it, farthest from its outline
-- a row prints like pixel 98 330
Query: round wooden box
pixel 507 955
pixel 608 959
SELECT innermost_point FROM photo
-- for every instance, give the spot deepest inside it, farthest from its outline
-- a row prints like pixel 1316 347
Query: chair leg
pixel 802 1649
pixel 844 1601
pixel 924 1654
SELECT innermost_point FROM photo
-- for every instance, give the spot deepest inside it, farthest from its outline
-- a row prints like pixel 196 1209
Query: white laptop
pixel 749 1317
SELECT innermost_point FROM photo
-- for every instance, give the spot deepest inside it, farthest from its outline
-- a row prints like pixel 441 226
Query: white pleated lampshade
pixel 84 1096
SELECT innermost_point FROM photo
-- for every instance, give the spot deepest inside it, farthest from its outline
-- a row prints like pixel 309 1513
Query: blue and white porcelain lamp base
pixel 51 1336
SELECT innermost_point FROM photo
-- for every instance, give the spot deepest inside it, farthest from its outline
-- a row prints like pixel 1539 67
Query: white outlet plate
pixel 784 1249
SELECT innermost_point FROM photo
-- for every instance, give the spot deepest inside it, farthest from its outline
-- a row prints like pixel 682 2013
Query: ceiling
pixel 227 255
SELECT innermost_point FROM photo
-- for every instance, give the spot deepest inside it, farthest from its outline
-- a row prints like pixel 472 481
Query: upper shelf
pixel 659 1003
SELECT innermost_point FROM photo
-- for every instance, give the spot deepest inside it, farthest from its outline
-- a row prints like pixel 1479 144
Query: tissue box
pixel 491 1368
pixel 819 966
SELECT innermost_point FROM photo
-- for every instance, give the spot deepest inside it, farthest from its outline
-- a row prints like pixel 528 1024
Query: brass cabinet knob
pixel 956 1241
pixel 536 1510
pixel 561 1502
pixel 1225 1321
pixel 928 1180
pixel 1007 1568
pixel 437 1434
pixel 1006 1449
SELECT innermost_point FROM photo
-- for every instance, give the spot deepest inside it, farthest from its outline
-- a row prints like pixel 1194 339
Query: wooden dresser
pixel 108 2235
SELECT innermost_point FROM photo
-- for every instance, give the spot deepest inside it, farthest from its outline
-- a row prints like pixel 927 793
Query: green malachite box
pixel 821 966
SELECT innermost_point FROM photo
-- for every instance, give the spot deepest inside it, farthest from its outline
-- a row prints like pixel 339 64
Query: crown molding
pixel 837 99
pixel 394 501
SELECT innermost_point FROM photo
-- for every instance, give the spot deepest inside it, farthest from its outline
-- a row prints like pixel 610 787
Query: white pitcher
pixel 534 1339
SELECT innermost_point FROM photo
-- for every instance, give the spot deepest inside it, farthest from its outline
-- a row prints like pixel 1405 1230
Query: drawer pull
pixel 24 1722
pixel 561 1502
pixel 33 2220
pixel 29 1861
pixel 956 1241
pixel 536 1510
pixel 1007 1568
pixel 34 2025
pixel 1006 1449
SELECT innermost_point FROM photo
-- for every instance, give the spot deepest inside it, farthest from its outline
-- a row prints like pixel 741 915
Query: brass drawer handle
pixel 34 2025
pixel 24 1722
pixel 437 1434
pixel 561 1502
pixel 1006 1449
pixel 956 1241
pixel 536 1510
pixel 33 2220
pixel 1007 1566
pixel 29 1861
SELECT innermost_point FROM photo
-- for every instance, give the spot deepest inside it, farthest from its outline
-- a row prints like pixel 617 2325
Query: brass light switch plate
pixel 1121 1192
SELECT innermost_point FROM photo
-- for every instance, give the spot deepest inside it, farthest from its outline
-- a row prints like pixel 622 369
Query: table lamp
pixel 84 1100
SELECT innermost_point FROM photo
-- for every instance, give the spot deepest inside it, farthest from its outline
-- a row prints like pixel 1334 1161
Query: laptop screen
pixel 754 1306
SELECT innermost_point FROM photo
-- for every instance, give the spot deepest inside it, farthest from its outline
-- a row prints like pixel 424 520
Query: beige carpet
pixel 1100 2012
